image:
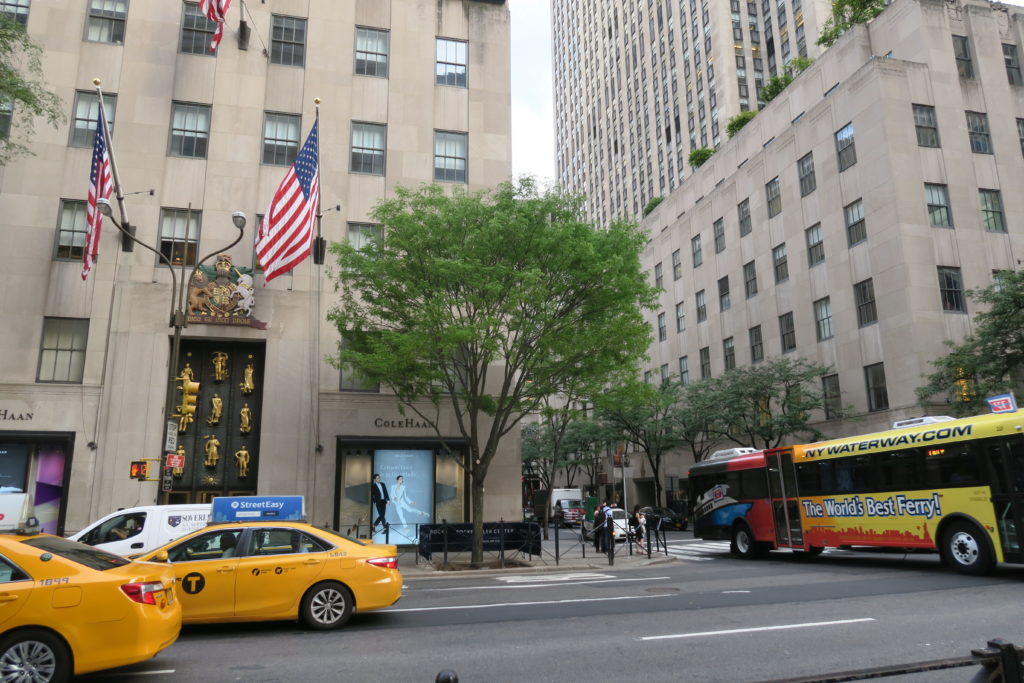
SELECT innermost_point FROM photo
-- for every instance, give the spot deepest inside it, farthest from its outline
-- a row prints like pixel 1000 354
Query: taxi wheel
pixel 327 605
pixel 34 656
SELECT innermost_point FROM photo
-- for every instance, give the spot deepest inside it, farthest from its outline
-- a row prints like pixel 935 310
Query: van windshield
pixel 94 558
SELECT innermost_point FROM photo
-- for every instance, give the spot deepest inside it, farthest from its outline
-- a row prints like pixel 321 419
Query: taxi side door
pixel 206 567
pixel 280 565
pixel 15 589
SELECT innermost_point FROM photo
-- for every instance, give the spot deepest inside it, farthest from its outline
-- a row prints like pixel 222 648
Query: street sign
pixel 166 481
pixel 174 461
pixel 171 441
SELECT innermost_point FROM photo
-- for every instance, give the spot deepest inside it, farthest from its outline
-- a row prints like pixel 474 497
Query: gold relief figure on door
pixel 216 409
pixel 245 419
pixel 242 460
pixel 220 366
pixel 178 471
pixel 248 385
pixel 212 450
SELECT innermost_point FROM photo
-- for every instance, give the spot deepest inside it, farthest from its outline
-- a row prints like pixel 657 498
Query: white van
pixel 134 531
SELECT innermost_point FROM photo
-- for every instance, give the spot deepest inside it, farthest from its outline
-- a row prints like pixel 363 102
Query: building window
pixel 647 376
pixel 288 41
pixel 756 344
pixel 937 198
pixel 698 255
pixel 664 373
pixel 106 21
pixel 702 307
pixel 16 9
pixel 659 276
pixel 662 327
pixel 856 230
pixel 86 113
pixel 362 235
pixel 864 297
pixel 750 279
pixel 684 369
pixel 962 51
pixel 677 265
pixel 846 151
pixel 977 127
pixel 372 52
pixel 724 301
pixel 705 363
pixel 451 62
pixel 450 155
pixel 351 380
pixel 926 125
pixel 196 31
pixel 369 142
pixel 62 350
pixel 280 138
pixel 680 317
pixel 72 226
pixel 6 113
pixel 743 211
pixel 815 245
pixel 1020 134
pixel 719 231
pixel 787 332
pixel 823 318
pixel 874 378
pixel 951 289
pixel 729 353
pixel 830 397
pixel 1012 64
pixel 774 195
pixel 805 168
pixel 179 235
pixel 992 210
pixel 190 130
pixel 780 263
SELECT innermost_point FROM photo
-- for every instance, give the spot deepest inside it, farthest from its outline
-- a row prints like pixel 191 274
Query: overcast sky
pixel 533 146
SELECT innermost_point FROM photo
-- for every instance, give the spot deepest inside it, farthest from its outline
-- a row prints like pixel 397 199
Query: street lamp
pixel 178 318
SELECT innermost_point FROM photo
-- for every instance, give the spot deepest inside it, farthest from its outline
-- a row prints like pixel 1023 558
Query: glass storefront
pixel 38 465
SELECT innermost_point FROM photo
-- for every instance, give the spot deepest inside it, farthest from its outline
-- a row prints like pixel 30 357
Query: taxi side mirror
pixel 160 556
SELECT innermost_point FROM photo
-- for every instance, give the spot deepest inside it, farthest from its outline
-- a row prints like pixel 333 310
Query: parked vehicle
pixel 670 519
pixel 570 503
pixel 138 530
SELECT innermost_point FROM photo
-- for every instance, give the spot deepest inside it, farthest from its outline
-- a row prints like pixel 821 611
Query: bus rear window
pixel 94 558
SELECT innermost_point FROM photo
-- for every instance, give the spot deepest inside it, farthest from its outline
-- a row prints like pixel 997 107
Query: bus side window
pixel 1016 446
pixel 753 484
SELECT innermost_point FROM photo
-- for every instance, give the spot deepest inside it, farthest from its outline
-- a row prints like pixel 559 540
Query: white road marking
pixel 489 587
pixel 523 578
pixel 158 672
pixel 735 592
pixel 758 629
pixel 524 604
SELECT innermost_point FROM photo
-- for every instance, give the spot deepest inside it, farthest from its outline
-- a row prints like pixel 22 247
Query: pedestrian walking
pixel 598 529
pixel 638 522
pixel 607 528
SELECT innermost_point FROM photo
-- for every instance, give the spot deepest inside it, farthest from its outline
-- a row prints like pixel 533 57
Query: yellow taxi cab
pixel 275 568
pixel 67 608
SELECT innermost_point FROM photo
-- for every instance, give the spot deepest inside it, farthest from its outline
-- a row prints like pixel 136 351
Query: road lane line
pixel 521 604
pixel 758 628
pixel 107 674
pixel 540 585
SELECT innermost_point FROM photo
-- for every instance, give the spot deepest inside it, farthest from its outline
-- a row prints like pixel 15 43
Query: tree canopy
pixel 23 94
pixel 487 302
pixel 846 14
pixel 989 361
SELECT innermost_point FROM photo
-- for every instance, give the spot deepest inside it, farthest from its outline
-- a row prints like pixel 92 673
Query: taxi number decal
pixel 52 582
pixel 339 554
pixel 193 583
pixel 256 571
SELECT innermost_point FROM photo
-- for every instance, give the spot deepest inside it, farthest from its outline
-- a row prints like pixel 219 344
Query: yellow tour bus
pixel 955 486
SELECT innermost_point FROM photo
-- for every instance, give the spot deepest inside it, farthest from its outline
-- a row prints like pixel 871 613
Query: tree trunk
pixel 477 507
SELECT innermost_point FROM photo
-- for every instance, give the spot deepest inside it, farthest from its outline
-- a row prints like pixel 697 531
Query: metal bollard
pixel 445 522
pixel 649 542
pixel 609 541
pixel 556 545
pixel 501 541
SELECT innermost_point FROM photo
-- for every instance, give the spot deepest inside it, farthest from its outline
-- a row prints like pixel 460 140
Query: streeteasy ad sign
pixel 251 508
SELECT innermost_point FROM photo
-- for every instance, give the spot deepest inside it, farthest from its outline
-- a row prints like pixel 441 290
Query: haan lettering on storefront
pixel 899 505
pixel 12 416
pixel 402 423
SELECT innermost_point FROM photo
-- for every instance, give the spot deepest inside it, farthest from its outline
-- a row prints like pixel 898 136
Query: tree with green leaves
pixel 484 303
pixel 760 405
pixel 736 123
pixel 777 84
pixel 699 156
pixel 696 416
pixel 23 93
pixel 991 359
pixel 653 204
pixel 845 15
pixel 644 414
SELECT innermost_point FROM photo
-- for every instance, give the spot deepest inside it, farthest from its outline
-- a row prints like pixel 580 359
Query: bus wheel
pixel 743 543
pixel 966 549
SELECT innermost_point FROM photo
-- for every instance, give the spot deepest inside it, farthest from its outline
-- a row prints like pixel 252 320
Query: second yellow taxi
pixel 279 570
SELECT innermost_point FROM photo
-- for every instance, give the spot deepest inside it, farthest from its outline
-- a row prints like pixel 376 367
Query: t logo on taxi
pixel 193 583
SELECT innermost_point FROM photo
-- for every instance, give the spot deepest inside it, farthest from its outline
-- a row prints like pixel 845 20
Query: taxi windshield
pixel 94 558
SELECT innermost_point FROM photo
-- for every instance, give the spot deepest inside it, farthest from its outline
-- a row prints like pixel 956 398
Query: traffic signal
pixel 140 469
pixel 189 398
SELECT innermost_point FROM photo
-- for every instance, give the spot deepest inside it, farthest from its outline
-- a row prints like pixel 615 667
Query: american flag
pixel 100 185
pixel 215 10
pixel 286 232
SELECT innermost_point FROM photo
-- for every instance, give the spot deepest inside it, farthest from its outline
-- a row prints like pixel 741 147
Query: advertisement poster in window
pixel 408 476
pixel 13 467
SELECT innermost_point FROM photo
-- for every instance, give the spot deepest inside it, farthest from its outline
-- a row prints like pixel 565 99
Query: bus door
pixel 1007 479
pixel 785 505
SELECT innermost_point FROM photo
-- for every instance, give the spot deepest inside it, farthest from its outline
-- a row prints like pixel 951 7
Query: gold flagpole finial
pixel 316 100
pixel 96 82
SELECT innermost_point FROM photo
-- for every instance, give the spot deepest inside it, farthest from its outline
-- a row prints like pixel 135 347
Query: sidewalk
pixel 571 559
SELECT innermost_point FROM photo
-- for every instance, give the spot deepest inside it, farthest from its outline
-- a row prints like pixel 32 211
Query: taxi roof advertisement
pixel 256 508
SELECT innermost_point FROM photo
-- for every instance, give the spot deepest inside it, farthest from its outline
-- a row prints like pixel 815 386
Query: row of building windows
pixel 190 133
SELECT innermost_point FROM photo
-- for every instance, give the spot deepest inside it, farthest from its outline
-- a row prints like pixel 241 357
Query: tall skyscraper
pixel 640 84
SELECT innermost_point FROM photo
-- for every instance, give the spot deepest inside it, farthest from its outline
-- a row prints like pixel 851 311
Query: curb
pixel 433 573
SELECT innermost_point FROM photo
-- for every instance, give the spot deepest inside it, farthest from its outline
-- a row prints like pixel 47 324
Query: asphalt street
pixel 702 616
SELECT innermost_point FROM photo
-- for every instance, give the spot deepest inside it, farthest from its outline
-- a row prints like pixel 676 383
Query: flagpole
pixel 318 254
pixel 318 250
pixel 110 154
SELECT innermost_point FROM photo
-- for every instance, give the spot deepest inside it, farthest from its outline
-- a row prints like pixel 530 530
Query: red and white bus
pixel 952 486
